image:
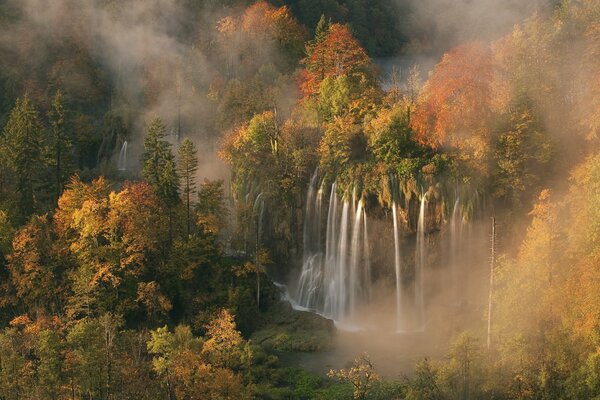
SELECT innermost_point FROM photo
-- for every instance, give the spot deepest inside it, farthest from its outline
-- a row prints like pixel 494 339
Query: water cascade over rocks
pixel 336 279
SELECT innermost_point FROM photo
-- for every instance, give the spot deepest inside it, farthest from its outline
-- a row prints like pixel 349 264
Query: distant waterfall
pixel 397 268
pixel 455 239
pixel 334 283
pixel 420 266
pixel 122 163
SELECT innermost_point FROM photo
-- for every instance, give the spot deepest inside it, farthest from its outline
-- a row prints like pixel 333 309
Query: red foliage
pixel 339 53
pixel 455 101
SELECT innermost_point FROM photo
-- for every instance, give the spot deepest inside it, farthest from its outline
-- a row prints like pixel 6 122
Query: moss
pixel 290 330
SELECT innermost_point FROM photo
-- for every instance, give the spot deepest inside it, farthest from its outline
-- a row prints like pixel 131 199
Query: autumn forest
pixel 299 199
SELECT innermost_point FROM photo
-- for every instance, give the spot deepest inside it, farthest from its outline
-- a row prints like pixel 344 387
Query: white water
pixel 122 163
pixel 336 280
pixel 398 269
pixel 335 283
pixel 419 266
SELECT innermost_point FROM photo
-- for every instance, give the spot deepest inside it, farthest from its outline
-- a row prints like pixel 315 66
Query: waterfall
pixel 122 163
pixel 455 241
pixel 259 212
pixel 398 269
pixel 354 257
pixel 420 265
pixel 334 284
pixel 367 258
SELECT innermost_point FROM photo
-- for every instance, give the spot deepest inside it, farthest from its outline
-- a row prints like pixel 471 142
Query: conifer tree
pixel 187 167
pixel 159 163
pixel 159 168
pixel 21 149
pixel 61 143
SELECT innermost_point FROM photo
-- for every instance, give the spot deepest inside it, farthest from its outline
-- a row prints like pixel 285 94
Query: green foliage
pixel 521 155
pixel 60 146
pixel 159 163
pixel 187 165
pixel 22 152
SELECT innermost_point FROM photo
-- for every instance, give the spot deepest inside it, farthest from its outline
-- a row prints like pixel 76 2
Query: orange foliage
pixel 592 119
pixel 453 108
pixel 30 274
pixel 338 54
pixel 134 213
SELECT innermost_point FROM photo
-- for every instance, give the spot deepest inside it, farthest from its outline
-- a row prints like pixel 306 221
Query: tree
pixel 22 149
pixel 31 266
pixel 187 164
pixel 159 168
pixel 338 53
pixel 521 156
pixel 61 143
pixel 211 208
pixel 223 346
pixel 454 106
pixel 157 154
pixel 424 386
pixel 361 376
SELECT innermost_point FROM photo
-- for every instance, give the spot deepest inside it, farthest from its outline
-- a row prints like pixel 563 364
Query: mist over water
pixel 396 289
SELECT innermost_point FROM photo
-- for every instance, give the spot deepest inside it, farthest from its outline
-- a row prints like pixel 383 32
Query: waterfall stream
pixel 336 279
pixel 122 162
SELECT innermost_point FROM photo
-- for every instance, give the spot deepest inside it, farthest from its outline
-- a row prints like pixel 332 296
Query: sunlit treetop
pixel 334 53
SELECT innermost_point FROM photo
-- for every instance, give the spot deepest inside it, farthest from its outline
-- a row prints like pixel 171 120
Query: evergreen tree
pixel 21 149
pixel 159 168
pixel 61 143
pixel 159 162
pixel 187 167
pixel 168 184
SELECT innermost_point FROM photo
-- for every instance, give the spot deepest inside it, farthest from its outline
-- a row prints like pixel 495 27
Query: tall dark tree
pixel 22 151
pixel 157 153
pixel 187 168
pixel 159 168
pixel 61 143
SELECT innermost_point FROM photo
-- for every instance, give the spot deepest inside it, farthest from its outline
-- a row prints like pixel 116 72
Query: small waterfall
pixel 455 240
pixel 122 163
pixel 259 212
pixel 398 268
pixel 420 265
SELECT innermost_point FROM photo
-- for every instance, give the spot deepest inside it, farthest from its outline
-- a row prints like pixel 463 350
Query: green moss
pixel 290 330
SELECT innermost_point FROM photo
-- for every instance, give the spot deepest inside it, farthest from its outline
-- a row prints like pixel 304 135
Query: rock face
pixel 289 330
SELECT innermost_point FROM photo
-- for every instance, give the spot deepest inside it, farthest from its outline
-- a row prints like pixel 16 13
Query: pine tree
pixel 159 162
pixel 61 143
pixel 168 184
pixel 187 167
pixel 159 168
pixel 21 149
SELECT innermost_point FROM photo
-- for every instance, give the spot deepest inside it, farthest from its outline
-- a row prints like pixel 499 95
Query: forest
pixel 299 199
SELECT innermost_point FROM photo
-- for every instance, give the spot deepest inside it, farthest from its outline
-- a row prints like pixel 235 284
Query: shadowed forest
pixel 299 199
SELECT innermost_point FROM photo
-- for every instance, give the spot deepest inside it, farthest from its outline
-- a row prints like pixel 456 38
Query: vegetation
pixel 145 283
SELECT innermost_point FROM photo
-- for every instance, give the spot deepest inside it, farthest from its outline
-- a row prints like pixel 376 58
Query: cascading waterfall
pixel 311 276
pixel 336 280
pixel 336 283
pixel 420 265
pixel 122 163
